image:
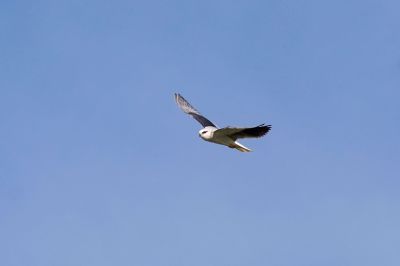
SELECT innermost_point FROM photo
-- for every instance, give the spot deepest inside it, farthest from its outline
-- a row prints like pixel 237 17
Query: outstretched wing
pixel 187 108
pixel 246 132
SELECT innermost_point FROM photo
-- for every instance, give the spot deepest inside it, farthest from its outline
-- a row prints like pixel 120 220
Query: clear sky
pixel 98 166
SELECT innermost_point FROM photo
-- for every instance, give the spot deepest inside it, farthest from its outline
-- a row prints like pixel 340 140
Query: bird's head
pixel 206 133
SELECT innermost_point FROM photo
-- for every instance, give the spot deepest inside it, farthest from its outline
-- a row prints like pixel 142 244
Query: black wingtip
pixel 264 129
pixel 177 95
pixel 256 132
pixel 267 127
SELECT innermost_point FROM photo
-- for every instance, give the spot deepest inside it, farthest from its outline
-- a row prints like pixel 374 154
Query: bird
pixel 227 136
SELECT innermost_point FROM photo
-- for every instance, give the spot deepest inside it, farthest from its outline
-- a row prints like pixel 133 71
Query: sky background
pixel 98 166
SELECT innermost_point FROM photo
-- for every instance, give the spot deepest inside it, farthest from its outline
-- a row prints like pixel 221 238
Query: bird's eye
pixel 203 132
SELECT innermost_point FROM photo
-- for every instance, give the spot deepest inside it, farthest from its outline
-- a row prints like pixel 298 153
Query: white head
pixel 207 133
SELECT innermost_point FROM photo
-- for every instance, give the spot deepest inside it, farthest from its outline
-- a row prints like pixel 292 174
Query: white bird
pixel 225 136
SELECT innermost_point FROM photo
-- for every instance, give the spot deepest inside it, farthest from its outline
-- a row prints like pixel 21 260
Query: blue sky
pixel 100 167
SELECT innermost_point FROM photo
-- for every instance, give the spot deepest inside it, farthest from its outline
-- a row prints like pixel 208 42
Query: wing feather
pixel 246 132
pixel 189 109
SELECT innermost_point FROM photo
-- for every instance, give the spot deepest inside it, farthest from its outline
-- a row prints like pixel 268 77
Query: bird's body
pixel 207 134
pixel 225 136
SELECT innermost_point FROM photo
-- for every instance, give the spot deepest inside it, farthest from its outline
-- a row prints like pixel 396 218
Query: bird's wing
pixel 244 132
pixel 187 108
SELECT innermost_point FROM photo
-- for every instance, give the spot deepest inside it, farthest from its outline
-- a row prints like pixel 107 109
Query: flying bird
pixel 225 136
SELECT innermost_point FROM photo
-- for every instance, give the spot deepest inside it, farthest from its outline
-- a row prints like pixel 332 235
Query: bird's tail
pixel 240 147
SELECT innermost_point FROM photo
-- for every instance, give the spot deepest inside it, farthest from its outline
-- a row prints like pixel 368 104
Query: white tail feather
pixel 241 148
